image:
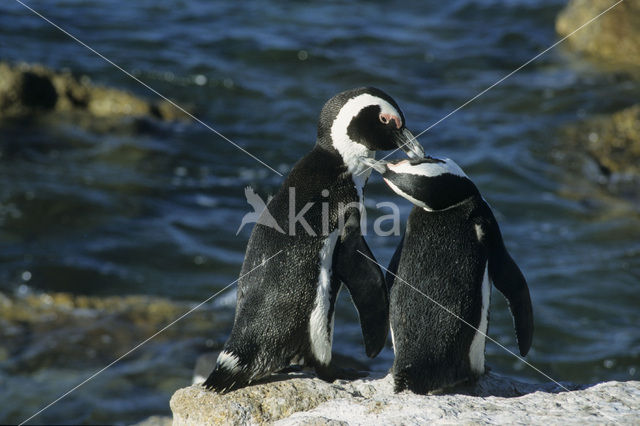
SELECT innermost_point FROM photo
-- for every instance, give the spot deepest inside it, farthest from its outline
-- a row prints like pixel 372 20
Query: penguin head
pixel 430 183
pixel 360 121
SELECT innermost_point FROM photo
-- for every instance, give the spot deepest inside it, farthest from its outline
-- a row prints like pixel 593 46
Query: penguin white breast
pixel 393 340
pixel 476 351
pixel 320 328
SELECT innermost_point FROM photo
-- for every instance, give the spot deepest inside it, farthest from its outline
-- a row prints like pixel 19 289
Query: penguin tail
pixel 412 378
pixel 228 374
pixel 400 383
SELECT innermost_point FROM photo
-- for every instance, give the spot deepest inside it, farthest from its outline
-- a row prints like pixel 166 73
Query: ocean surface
pixel 154 210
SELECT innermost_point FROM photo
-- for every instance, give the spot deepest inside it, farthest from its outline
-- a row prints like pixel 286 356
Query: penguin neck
pixel 452 206
pixel 351 153
pixel 359 175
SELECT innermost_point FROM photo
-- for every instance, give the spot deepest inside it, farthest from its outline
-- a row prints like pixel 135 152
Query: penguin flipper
pixel 365 282
pixel 509 280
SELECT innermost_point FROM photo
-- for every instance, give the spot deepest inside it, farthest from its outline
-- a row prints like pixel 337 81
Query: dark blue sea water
pixel 155 211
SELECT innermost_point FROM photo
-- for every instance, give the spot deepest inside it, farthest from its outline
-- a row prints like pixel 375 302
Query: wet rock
pixel 612 142
pixel 302 399
pixel 27 90
pixel 47 330
pixel 614 37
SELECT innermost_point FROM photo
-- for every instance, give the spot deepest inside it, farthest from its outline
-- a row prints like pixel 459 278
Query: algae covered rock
pixel 613 37
pixel 612 141
pixel 33 89
pixel 49 330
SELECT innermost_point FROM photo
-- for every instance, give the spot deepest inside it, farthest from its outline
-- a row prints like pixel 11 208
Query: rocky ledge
pixel 27 89
pixel 302 399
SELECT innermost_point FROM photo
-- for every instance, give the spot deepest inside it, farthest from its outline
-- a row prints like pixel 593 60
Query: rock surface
pixel 614 37
pixel 302 399
pixel 26 90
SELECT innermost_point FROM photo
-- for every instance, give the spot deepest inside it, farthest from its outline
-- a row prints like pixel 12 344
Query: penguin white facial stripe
pixel 320 334
pixel 348 148
pixel 407 196
pixel 229 361
pixel 353 107
pixel 436 185
pixel 476 351
pixel 427 169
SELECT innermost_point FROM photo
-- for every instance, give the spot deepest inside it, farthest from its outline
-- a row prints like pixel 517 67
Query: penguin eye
pixel 384 119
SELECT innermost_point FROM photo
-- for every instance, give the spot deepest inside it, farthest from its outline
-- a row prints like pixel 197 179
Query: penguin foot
pixel 330 373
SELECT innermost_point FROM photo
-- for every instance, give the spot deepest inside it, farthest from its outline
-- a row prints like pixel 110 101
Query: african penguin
pixel 285 308
pixel 451 250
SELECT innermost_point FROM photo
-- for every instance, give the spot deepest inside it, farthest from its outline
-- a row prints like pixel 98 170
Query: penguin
pixel 285 306
pixel 451 251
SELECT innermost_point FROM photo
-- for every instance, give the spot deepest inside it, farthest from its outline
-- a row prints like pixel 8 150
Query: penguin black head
pixel 359 121
pixel 430 183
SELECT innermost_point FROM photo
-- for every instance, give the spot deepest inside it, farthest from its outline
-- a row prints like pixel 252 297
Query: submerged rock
pixel 602 153
pixel 51 330
pixel 613 37
pixel 303 399
pixel 605 150
pixel 26 90
pixel 51 342
pixel 156 421
pixel 613 141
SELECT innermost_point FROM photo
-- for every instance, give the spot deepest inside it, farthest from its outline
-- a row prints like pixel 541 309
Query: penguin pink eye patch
pixel 386 118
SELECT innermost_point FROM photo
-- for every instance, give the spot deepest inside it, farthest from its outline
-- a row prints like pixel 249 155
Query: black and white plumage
pixel 285 309
pixel 451 251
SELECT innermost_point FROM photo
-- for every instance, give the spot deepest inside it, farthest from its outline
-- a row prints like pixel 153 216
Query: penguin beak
pixel 409 144
pixel 379 166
